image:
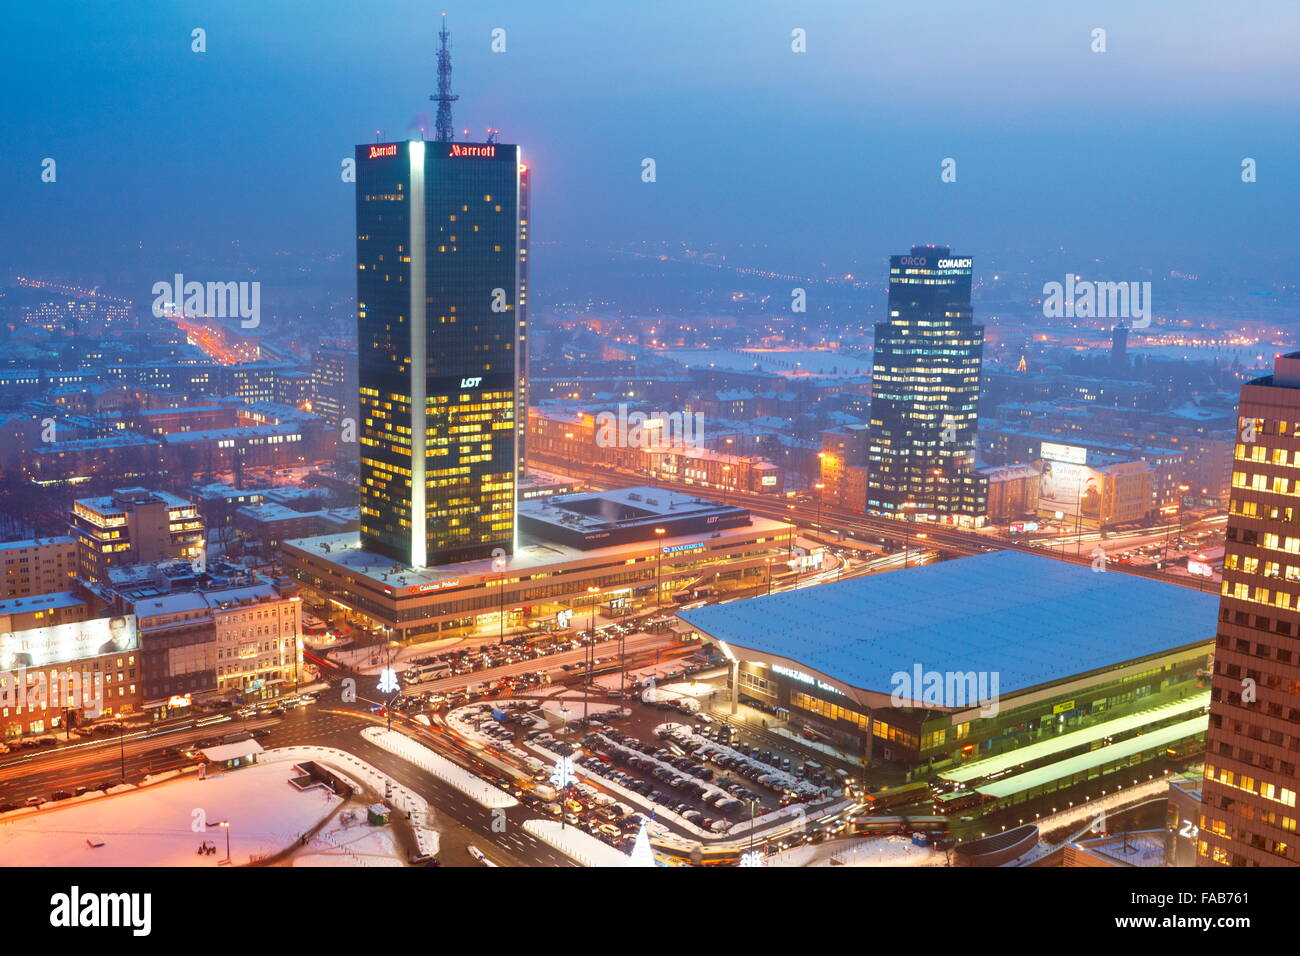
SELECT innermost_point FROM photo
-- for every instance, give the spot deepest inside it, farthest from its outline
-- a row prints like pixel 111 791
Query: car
pixel 34 801
pixel 60 795
pixel 479 855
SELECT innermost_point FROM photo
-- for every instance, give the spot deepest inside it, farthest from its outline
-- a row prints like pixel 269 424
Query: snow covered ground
pixel 476 788
pixel 577 845
pixel 352 769
pixel 352 842
pixel 164 823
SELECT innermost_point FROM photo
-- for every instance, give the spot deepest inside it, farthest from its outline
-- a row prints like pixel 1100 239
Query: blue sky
pixel 827 156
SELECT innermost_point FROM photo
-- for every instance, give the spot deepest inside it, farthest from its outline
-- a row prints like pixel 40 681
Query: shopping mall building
pixel 965 661
pixel 606 550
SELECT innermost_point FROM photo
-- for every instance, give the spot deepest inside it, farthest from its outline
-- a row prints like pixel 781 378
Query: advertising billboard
pixel 1072 454
pixel 1071 489
pixel 62 643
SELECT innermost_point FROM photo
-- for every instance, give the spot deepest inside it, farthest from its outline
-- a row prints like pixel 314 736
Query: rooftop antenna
pixel 444 97
pixel 492 134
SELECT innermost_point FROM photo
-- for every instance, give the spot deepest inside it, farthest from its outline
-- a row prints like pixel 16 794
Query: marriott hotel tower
pixel 442 242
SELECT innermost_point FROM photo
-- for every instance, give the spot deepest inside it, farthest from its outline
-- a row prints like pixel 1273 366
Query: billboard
pixel 1072 454
pixel 62 643
pixel 1071 489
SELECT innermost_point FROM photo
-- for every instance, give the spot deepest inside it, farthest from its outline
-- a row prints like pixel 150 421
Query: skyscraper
pixel 441 249
pixel 925 390
pixel 1248 805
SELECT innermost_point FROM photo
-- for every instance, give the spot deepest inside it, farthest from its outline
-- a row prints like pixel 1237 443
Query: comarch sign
pixel 805 678
pixel 954 263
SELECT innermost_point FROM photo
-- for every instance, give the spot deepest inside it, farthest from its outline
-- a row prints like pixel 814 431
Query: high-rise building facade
pixel 440 247
pixel 521 322
pixel 925 391
pixel 1248 812
pixel 334 385
pixel 134 526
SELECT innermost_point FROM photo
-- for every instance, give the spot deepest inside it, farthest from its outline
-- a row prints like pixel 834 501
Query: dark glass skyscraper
pixel 441 247
pixel 925 390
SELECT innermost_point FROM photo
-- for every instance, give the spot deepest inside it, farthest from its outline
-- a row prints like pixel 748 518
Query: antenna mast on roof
pixel 443 132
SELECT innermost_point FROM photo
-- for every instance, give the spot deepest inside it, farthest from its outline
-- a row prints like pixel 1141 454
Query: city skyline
pixel 1078 148
pixel 871 446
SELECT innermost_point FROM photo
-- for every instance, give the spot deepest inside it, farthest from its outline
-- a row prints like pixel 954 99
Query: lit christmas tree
pixel 641 852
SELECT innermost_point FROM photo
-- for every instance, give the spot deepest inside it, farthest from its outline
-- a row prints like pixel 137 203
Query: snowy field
pixel 163 824
pixel 351 842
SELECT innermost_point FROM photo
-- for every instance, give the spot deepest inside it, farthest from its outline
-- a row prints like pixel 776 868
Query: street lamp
pixel 819 487
pixel 659 568
pixel 591 646
pixel 907 507
pixel 225 825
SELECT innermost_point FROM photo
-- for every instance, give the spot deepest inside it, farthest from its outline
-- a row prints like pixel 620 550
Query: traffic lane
pixel 110 750
pixel 461 821
pixel 485 828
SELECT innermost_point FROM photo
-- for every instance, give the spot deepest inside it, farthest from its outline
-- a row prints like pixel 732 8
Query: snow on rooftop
pixel 1030 619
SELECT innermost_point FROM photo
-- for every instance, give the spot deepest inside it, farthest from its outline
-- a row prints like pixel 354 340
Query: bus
pixel 883 825
pixel 897 796
pixel 958 800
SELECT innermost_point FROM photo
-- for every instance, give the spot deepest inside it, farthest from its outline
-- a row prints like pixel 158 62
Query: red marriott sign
pixel 389 150
pixel 482 152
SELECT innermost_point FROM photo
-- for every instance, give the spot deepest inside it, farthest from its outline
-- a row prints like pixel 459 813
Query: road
pixel 330 723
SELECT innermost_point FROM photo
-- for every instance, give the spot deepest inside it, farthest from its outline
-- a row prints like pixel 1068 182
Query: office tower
pixel 334 385
pixel 521 320
pixel 1119 349
pixel 1248 811
pixel 925 391
pixel 439 246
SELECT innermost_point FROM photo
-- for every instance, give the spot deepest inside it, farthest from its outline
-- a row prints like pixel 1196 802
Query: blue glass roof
pixel 1033 620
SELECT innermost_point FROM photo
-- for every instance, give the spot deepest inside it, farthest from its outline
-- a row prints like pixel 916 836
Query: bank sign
pixel 805 679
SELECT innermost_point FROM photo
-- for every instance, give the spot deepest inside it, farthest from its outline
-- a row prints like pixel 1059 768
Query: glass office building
pixel 441 244
pixel 925 391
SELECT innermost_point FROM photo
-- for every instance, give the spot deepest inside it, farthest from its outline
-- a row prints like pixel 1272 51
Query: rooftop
pixel 344 551
pixel 1032 620
pixel 40 602
pixel 599 509
pixel 36 542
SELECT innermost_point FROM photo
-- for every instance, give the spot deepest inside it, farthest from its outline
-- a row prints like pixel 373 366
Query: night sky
pixel 232 157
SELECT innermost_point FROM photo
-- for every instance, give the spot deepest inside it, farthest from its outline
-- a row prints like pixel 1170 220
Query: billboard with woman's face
pixel 63 643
